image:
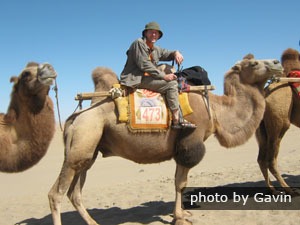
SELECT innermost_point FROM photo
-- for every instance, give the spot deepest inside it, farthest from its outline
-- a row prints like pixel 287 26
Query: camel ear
pixel 249 56
pixel 237 67
pixel 14 79
pixel 32 64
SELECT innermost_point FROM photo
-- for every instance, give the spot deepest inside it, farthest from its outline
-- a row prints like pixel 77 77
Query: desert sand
pixel 118 191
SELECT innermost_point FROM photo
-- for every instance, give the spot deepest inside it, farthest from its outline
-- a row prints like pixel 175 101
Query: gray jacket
pixel 138 62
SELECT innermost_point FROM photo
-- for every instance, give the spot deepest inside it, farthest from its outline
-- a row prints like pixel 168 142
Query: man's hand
pixel 170 76
pixel 178 57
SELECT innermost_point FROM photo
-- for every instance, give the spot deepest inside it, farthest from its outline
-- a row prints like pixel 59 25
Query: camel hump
pixel 104 78
pixel 290 60
pixel 290 54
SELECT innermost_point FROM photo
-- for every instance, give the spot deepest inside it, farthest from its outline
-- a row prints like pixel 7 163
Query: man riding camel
pixel 141 71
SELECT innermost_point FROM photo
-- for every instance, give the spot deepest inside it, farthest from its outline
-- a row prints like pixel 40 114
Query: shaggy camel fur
pixel 235 117
pixel 282 109
pixel 28 126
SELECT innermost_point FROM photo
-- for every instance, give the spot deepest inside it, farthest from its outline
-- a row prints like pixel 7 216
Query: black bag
pixel 195 74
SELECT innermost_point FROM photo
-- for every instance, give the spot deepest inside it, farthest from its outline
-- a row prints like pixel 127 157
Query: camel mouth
pixel 274 66
pixel 46 74
pixel 277 70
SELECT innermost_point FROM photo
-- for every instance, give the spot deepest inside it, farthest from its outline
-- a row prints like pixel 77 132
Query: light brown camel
pixel 235 117
pixel 282 109
pixel 29 124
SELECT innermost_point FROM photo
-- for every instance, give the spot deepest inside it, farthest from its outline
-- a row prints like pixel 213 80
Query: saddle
pixel 146 111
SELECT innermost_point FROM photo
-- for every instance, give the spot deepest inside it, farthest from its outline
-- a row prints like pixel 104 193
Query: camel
pixel 282 109
pixel 27 128
pixel 234 118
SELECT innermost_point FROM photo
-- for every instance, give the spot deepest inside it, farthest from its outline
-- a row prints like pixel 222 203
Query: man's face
pixel 152 35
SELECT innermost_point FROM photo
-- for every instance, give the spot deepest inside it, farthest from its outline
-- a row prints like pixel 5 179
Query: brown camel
pixel 29 124
pixel 235 117
pixel 282 109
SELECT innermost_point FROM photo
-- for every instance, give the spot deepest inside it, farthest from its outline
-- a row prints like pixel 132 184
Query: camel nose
pixel 46 70
pixel 276 61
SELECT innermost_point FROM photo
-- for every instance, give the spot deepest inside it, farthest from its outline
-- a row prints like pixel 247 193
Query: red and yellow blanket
pixel 146 111
pixel 295 85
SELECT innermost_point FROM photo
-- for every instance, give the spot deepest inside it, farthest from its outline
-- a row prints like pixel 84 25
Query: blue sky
pixel 76 36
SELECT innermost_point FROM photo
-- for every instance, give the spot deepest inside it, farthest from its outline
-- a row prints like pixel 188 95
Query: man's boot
pixel 178 122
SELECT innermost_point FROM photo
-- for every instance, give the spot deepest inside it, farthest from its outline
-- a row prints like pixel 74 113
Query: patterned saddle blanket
pixel 146 111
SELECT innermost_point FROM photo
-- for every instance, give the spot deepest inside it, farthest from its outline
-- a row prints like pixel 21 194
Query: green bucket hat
pixel 152 26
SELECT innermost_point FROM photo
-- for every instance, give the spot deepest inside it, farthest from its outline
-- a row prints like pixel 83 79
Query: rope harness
pixel 55 88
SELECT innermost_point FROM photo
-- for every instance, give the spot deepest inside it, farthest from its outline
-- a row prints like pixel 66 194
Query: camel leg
pixel 75 196
pixel 57 192
pixel 71 181
pixel 273 155
pixel 261 136
pixel 267 157
pixel 267 160
pixel 264 165
pixel 273 167
pixel 180 183
pixel 80 154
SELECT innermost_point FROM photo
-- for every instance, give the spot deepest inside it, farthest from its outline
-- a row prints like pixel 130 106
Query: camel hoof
pixel 288 191
pixel 275 192
pixel 187 213
pixel 182 215
pixel 294 193
pixel 183 222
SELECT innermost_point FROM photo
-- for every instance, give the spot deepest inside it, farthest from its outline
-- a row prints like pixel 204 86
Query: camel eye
pixel 253 64
pixel 25 74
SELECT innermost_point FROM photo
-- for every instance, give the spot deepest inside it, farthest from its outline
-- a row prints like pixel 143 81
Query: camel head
pixel 34 78
pixel 252 71
pixel 31 86
pixel 290 60
pixel 28 126
pixel 243 102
